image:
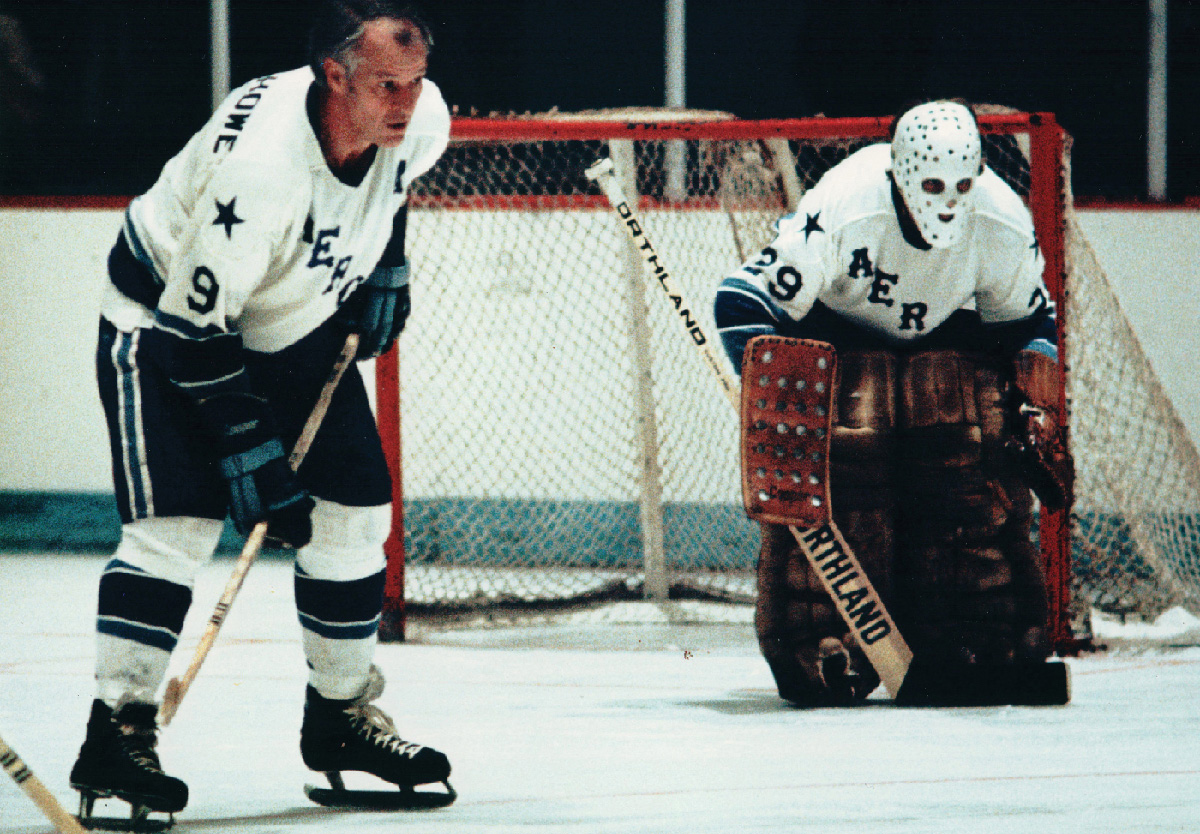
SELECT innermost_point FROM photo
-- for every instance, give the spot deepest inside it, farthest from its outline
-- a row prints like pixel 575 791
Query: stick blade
pixel 170 703
pixel 930 684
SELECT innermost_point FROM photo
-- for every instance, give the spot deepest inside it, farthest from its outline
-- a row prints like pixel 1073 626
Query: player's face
pixel 381 89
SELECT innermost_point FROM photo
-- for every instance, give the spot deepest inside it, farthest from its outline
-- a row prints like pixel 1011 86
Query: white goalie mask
pixel 936 157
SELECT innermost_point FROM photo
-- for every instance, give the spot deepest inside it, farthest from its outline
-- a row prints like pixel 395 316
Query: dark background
pixel 121 85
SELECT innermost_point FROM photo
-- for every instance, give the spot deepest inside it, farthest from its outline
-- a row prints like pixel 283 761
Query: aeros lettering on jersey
pixel 912 315
pixel 236 120
pixel 323 256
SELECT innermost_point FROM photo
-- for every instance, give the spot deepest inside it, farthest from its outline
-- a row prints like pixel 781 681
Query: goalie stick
pixel 918 684
pixel 888 653
pixel 177 687
pixel 35 790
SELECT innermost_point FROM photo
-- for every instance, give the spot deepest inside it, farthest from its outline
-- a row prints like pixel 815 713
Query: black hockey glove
pixel 211 371
pixel 378 309
pixel 262 485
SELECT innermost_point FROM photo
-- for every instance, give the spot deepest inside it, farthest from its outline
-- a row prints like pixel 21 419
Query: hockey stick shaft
pixel 603 173
pixel 177 687
pixel 35 790
pixel 884 647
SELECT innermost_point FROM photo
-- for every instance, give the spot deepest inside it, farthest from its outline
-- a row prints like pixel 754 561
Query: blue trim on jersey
pixel 738 298
pixel 1044 347
pixel 182 327
pixel 742 311
pixel 131 434
pixel 139 250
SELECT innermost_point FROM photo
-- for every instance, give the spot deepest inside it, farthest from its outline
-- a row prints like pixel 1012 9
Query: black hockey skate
pixel 357 736
pixel 118 760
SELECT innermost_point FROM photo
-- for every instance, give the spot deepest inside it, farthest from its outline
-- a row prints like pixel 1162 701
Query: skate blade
pixel 401 799
pixel 144 826
pixel 1023 685
pixel 138 820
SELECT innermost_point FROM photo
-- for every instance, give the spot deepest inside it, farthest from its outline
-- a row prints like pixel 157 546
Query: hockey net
pixel 556 440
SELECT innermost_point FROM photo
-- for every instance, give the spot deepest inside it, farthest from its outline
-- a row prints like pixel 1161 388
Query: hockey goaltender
pixel 917 267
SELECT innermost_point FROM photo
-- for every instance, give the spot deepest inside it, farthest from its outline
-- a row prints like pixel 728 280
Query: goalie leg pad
pixel 801 634
pixel 969 584
pixel 862 461
pixel 812 656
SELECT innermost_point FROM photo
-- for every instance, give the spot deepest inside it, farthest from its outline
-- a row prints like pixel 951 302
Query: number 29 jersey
pixel 845 247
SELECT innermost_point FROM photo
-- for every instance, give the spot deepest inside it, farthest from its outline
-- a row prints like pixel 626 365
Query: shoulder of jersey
pixel 275 131
pixel 431 116
pixel 996 203
pixel 856 188
pixel 428 131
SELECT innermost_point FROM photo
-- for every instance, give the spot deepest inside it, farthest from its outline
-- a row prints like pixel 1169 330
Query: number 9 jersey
pixel 248 231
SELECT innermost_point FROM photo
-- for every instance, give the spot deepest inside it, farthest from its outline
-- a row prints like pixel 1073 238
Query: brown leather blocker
pixel 968 581
pixel 787 417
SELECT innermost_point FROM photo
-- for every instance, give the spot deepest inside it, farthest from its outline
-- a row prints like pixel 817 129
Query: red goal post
pixel 550 438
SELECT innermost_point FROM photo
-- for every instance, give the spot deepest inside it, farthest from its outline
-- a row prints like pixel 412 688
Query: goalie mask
pixel 936 157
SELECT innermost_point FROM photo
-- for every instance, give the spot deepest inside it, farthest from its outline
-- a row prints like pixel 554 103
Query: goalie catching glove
pixel 1038 431
pixel 378 310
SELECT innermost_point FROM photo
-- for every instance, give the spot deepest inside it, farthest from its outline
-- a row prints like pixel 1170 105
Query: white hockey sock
pixel 339 595
pixel 145 592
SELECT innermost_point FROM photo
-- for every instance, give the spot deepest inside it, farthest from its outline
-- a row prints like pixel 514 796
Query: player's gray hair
pixel 338 27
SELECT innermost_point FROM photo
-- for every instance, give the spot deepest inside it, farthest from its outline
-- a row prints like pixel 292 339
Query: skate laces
pixel 138 741
pixel 379 729
pixel 376 724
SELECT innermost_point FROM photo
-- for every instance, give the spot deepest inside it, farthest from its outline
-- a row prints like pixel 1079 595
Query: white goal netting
pixel 560 439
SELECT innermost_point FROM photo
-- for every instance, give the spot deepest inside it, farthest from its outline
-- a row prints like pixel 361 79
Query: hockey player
pixel 234 282
pixel 920 265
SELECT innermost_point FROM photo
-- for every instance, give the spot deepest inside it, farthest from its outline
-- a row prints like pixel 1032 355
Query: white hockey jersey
pixel 249 230
pixel 844 247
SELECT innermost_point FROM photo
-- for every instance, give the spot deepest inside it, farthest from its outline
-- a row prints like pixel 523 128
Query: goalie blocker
pixel 789 400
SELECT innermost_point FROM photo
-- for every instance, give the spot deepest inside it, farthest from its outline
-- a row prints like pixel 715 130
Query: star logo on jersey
pixel 226 217
pixel 811 225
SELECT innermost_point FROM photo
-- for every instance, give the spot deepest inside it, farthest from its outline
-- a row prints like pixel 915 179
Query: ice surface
pixel 625 720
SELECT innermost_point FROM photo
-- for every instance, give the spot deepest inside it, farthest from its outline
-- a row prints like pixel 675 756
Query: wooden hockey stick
pixel 177 687
pixel 884 647
pixel 35 790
